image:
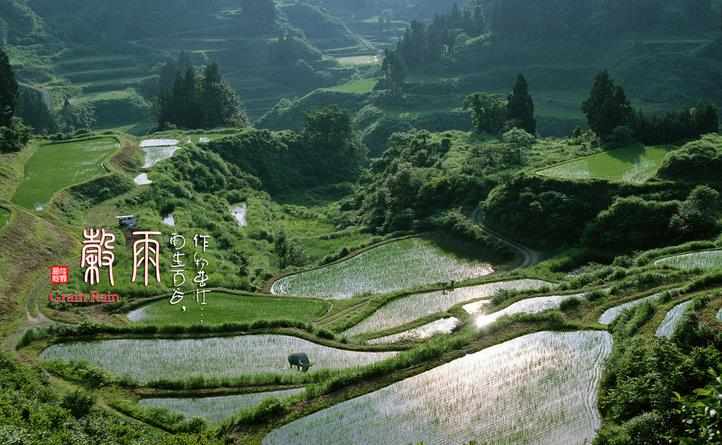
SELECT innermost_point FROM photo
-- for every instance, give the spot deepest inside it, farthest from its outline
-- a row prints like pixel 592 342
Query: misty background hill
pixel 665 53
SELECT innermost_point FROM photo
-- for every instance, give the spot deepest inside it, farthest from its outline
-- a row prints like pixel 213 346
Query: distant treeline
pixel 422 44
pixel 13 134
pixel 193 101
pixel 611 116
pixel 596 20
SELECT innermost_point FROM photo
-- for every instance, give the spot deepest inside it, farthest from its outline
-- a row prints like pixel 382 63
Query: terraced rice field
pixel 673 319
pixel 611 314
pixel 411 308
pixel 528 306
pixel 152 359
pixel 228 308
pixel 217 409
pixel 403 264
pixel 54 167
pixel 477 307
pixel 359 60
pixel 442 326
pixel 360 86
pixel 157 150
pixel 634 164
pixel 707 260
pixel 538 389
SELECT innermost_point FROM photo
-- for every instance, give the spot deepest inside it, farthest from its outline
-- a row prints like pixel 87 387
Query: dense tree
pixel 394 69
pixel 675 127
pixel 326 153
pixel 411 184
pixel 14 137
pixel 8 90
pixel 13 134
pixel 635 223
pixel 221 105
pixel 697 161
pixel 697 217
pixel 488 112
pixel 422 44
pixel 632 223
pixel 75 117
pixel 607 107
pixel 333 148
pixel 705 118
pixel 35 112
pixel 199 101
pixel 520 109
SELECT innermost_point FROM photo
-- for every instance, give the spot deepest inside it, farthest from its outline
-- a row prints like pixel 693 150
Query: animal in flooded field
pixel 299 361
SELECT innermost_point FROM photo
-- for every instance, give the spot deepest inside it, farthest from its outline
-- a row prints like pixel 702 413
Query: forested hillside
pixel 360 222
pixel 103 58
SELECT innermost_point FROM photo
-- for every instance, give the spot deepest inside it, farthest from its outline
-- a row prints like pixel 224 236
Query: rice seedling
pixel 404 264
pixel 216 409
pixel 707 260
pixel 54 167
pixel 360 86
pixel 229 308
pixel 672 320
pixel 359 60
pixel 548 380
pixel 611 314
pixel 442 326
pixel 634 164
pixel 411 308
pixel 528 306
pixel 218 357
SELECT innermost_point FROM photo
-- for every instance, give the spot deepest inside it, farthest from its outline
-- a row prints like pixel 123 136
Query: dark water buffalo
pixel 299 361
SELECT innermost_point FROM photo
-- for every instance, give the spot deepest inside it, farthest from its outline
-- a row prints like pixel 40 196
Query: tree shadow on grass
pixel 466 249
pixel 631 154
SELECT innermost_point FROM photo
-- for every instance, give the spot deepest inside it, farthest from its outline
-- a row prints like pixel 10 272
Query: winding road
pixel 529 257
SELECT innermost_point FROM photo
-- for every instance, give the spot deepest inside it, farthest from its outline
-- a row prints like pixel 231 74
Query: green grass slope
pixel 56 166
pixel 634 164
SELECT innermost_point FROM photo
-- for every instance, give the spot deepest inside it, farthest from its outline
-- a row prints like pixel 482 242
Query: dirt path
pixel 529 257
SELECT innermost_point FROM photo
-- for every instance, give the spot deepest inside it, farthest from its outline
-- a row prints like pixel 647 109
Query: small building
pixel 127 221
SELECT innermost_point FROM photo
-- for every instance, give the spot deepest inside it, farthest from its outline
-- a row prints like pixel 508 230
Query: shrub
pixel 79 403
pixel 570 304
pixel 328 335
pixel 518 138
pixel 596 295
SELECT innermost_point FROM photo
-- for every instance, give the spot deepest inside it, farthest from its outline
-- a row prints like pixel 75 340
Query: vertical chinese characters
pixel 98 245
pixel 146 254
pixel 177 266
pixel 201 279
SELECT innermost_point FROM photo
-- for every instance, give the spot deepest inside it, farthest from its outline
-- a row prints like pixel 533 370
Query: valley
pixel 379 222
